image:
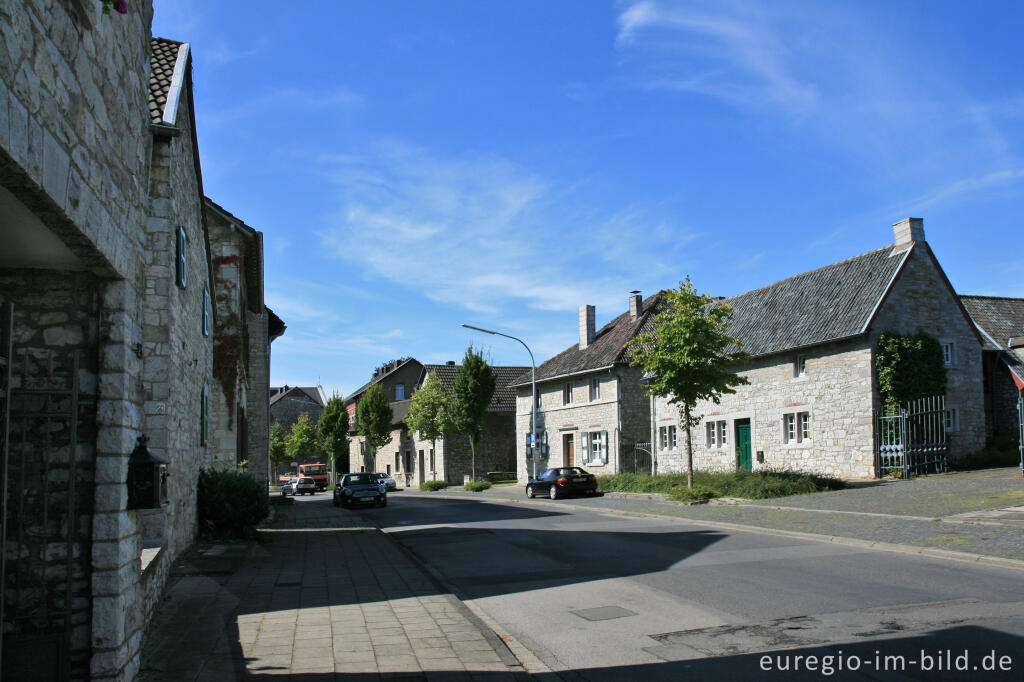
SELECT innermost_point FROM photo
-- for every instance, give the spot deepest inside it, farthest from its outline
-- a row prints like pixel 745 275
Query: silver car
pixel 386 481
pixel 301 485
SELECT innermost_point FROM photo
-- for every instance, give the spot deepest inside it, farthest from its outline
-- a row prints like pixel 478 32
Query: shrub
pixel 697 492
pixel 477 486
pixel 433 485
pixel 742 483
pixel 230 503
pixel 1000 451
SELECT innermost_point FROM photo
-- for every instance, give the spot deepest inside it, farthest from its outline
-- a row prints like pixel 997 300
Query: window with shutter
pixel 604 447
pixel 206 312
pixel 585 447
pixel 179 260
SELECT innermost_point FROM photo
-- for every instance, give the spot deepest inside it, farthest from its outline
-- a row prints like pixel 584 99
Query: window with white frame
pixel 180 260
pixel 948 353
pixel 796 427
pixel 800 366
pixel 667 437
pixel 716 433
pixel 594 446
pixel 595 389
pixel 951 419
pixel 206 312
pixel 723 434
pixel 567 393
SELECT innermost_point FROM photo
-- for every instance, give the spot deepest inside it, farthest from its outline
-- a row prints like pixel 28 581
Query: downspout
pixel 654 433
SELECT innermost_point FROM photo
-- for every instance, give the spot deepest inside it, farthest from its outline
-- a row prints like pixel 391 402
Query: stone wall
pixel 494 452
pixel 622 410
pixel 920 299
pixel 258 398
pixel 285 411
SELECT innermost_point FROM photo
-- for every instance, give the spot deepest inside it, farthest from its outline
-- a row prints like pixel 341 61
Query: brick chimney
pixel 636 305
pixel 908 230
pixel 586 326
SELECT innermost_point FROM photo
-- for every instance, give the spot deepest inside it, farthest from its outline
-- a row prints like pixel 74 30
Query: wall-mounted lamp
pixel 147 478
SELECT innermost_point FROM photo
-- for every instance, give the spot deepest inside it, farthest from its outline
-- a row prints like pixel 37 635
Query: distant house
pixel 413 459
pixel 813 397
pixel 288 402
pixel 591 406
pixel 1001 323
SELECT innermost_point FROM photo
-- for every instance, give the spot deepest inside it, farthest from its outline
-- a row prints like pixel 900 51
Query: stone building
pixel 288 402
pixel 106 285
pixel 591 406
pixel 1001 323
pixel 813 395
pixel 412 459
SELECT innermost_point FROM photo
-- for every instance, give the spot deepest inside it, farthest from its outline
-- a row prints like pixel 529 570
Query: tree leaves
pixel 373 417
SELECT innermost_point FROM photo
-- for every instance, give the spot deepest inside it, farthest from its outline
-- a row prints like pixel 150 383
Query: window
pixel 796 427
pixel 431 460
pixel 716 434
pixel 399 391
pixel 723 438
pixel 204 416
pixel 538 398
pixel 594 446
pixel 948 353
pixel 179 258
pixel 206 312
pixel 800 366
pixel 667 437
pixel 567 393
pixel 595 389
pixel 951 419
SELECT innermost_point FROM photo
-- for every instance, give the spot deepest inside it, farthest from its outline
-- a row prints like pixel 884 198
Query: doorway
pixel 743 458
pixel 569 449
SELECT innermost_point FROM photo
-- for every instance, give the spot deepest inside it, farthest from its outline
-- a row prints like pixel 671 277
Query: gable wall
pixel 920 300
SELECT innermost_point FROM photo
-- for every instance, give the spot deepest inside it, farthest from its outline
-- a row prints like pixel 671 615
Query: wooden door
pixel 570 449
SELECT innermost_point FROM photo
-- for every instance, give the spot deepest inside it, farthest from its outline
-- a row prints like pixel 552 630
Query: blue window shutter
pixel 179 257
pixel 585 447
pixel 206 312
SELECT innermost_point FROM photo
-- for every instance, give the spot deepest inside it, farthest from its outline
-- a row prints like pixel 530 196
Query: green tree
pixel 474 388
pixel 278 444
pixel 373 419
pixel 687 357
pixel 303 445
pixel 429 410
pixel 333 431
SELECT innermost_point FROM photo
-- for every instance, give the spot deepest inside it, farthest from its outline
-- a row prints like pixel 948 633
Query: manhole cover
pixel 603 613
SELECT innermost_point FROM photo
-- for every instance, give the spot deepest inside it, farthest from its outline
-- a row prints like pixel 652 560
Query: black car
pixel 562 481
pixel 361 488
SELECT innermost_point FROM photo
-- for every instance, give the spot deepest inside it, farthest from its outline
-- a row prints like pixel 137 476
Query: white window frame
pixel 796 428
pixel 595 389
pixel 567 393
pixel 948 352
pixel 206 312
pixel 710 434
pixel 181 257
pixel 951 419
pixel 672 438
pixel 723 433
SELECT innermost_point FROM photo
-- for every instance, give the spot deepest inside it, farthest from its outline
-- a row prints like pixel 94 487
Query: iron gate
pixel 1020 426
pixel 46 570
pixel 913 440
pixel 6 332
pixel 636 459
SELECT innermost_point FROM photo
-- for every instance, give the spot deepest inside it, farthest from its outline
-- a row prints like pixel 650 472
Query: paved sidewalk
pixel 324 593
pixel 974 513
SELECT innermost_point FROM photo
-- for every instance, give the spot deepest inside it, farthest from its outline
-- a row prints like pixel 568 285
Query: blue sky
pixel 417 165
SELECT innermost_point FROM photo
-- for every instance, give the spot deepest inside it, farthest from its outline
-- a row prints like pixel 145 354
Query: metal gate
pixel 636 459
pixel 46 569
pixel 1020 426
pixel 6 332
pixel 913 440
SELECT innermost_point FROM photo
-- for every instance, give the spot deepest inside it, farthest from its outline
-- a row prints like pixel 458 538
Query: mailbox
pixel 147 478
pixel 760 456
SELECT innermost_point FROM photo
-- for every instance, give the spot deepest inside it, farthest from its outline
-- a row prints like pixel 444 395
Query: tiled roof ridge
pixel 895 250
pixel 992 298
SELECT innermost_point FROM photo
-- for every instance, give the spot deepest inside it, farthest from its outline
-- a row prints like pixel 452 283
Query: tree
pixel 303 445
pixel 429 410
pixel 474 388
pixel 373 418
pixel 278 444
pixel 332 428
pixel 688 356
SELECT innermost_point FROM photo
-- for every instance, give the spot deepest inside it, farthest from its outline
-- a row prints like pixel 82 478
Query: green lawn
pixel 706 484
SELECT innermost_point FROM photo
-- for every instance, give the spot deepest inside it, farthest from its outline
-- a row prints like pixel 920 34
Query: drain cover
pixel 603 613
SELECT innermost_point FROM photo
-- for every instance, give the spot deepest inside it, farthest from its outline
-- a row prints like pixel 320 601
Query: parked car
pixel 360 488
pixel 300 485
pixel 561 481
pixel 386 481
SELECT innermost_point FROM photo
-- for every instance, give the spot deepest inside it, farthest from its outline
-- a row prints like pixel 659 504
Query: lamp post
pixel 533 391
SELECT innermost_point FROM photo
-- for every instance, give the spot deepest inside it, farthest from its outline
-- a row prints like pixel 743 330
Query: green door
pixel 743 447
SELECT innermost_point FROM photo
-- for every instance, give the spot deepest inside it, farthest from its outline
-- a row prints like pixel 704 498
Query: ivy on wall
pixel 229 342
pixel 908 368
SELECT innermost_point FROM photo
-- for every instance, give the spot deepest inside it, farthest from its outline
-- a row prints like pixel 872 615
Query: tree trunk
pixel 689 446
pixel 472 456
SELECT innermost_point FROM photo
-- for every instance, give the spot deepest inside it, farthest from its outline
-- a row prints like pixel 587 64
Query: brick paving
pixel 323 594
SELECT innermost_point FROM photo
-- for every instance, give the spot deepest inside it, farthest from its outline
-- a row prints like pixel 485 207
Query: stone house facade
pixel 412 459
pixel 812 397
pixel 105 284
pixel 288 402
pixel 1000 320
pixel 591 405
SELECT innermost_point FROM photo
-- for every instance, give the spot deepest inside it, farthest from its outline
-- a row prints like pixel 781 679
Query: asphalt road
pixel 596 595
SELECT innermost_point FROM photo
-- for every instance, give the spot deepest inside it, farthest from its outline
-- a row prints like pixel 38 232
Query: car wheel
pixel 529 492
pixel 553 492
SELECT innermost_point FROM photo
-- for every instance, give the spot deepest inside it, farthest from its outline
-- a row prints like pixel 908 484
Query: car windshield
pixel 574 471
pixel 292 481
pixel 315 469
pixel 360 479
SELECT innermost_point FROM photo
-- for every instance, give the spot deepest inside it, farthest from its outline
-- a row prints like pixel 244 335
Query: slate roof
pixel 163 57
pixel 314 393
pixel 1000 319
pixel 828 304
pixel 377 379
pixel 504 399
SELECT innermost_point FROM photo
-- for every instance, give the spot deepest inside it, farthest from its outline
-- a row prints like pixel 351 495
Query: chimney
pixel 450 363
pixel 636 305
pixel 586 326
pixel 908 230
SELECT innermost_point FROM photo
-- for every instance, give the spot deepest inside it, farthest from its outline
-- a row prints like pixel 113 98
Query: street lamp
pixel 533 385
